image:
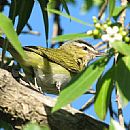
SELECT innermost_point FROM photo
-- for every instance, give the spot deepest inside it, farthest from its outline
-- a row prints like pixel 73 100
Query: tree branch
pixel 20 104
pixel 118 97
pixel 103 8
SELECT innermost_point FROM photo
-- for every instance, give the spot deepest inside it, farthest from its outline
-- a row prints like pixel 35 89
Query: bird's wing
pixel 58 56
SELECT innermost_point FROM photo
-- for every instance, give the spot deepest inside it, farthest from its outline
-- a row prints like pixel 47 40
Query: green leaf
pixel 35 126
pixel 114 125
pixel 111 7
pixel 66 37
pixel 121 47
pixel 123 76
pixel 81 83
pixel 68 16
pixel 87 5
pixel 4 49
pixel 14 9
pixel 103 93
pixel 117 11
pixel 5 125
pixel 65 6
pixel 7 27
pixel 123 100
pixel 43 5
pixel 24 14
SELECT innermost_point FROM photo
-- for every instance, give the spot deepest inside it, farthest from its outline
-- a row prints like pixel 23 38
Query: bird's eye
pixel 85 48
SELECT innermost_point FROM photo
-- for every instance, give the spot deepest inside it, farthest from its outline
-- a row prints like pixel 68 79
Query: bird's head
pixel 80 50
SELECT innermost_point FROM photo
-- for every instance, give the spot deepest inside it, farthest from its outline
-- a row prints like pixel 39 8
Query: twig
pixel 90 91
pixel 123 14
pixel 98 45
pixel 102 48
pixel 57 30
pixel 115 115
pixel 119 105
pixel 87 104
pixel 120 113
pixel 29 26
pixel 104 6
pixel 31 32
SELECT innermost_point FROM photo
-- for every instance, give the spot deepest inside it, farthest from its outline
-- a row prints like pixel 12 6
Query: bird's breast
pixel 48 77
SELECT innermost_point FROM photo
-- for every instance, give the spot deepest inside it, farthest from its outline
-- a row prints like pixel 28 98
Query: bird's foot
pixel 37 87
pixel 58 86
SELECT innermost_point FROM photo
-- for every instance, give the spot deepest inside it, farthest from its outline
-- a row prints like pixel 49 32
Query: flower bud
pixel 95 20
pixel 126 39
pixel 89 32
pixel 123 33
pixel 95 32
pixel 105 26
pixel 98 25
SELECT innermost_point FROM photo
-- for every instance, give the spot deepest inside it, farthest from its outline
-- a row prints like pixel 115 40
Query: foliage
pixel 115 125
pixel 5 125
pixel 35 126
pixel 7 28
pixel 117 77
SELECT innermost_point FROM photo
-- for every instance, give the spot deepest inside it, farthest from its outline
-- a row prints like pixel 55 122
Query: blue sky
pixel 69 27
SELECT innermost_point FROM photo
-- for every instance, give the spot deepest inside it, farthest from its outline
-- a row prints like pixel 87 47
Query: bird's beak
pixel 100 54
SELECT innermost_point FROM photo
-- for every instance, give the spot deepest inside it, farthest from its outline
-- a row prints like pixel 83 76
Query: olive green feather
pixel 59 56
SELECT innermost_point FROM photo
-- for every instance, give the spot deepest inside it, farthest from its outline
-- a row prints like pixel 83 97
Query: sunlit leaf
pixel 14 9
pixel 7 27
pixel 65 6
pixel 121 47
pixel 43 5
pixel 114 125
pixel 103 93
pixel 35 126
pixel 117 11
pixel 4 49
pixel 111 7
pixel 66 37
pixel 88 4
pixel 81 83
pixel 5 126
pixel 123 100
pixel 68 16
pixel 123 76
pixel 24 14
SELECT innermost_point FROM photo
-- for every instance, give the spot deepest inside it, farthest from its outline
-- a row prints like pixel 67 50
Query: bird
pixel 53 68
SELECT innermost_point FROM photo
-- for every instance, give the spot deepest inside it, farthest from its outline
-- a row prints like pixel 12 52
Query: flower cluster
pixel 112 34
pixel 108 31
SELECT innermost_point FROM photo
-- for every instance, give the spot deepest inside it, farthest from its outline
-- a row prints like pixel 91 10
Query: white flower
pixel 112 34
pixel 109 30
pixel 115 29
pixel 118 37
pixel 89 32
pixel 112 39
pixel 94 17
pixel 105 37
pixel 112 31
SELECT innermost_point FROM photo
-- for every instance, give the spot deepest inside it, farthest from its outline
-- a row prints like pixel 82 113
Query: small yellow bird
pixel 53 68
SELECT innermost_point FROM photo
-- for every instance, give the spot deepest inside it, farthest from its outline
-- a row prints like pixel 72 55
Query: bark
pixel 20 104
